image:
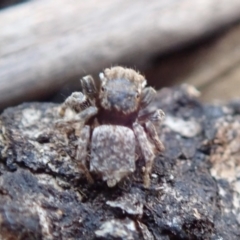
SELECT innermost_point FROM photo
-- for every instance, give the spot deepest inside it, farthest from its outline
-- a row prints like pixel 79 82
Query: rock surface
pixel 194 193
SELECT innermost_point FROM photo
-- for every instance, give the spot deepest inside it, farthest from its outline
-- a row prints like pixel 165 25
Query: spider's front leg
pixel 80 118
pixel 82 133
pixel 78 101
pixel 82 103
pixel 147 152
pixel 83 106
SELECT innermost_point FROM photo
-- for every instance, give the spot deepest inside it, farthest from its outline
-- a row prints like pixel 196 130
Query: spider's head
pixel 121 90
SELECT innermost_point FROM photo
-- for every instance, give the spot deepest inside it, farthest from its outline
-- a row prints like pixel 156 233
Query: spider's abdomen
pixel 112 152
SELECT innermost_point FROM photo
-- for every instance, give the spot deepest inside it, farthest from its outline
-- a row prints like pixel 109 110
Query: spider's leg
pixel 151 114
pixel 77 101
pixel 80 118
pixel 152 119
pixel 82 151
pixel 89 86
pixel 152 133
pixel 147 96
pixel 147 151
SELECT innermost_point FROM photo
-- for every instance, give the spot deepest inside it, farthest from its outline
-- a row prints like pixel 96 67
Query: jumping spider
pixel 114 125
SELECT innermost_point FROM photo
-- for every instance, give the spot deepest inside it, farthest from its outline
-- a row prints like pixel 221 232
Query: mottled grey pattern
pixel 130 203
pixel 118 229
pixel 112 152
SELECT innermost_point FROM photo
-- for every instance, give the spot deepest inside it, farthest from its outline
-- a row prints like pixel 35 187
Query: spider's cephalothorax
pixel 121 90
pixel 115 123
pixel 119 96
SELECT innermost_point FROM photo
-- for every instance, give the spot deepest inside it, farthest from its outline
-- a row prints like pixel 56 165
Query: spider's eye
pixel 103 88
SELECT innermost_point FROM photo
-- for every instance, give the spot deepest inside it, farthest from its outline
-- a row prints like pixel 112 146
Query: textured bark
pixel 46 43
pixel 194 192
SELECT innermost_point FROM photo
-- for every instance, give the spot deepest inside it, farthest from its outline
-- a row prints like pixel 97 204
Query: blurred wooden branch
pixel 222 65
pixel 45 43
pixel 213 67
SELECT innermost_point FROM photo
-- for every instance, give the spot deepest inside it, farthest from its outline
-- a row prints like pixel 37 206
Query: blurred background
pixel 46 46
